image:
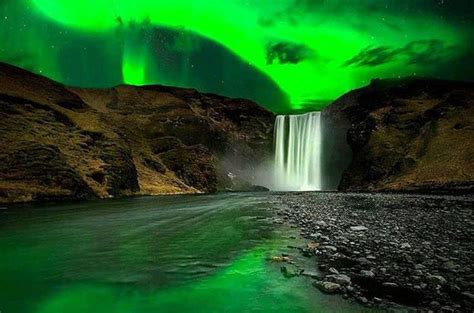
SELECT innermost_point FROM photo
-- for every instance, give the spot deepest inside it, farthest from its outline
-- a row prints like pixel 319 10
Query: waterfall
pixel 298 152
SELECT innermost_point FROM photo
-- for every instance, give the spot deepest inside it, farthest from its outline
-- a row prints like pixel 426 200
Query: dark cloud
pixel 415 52
pixel 372 56
pixel 287 52
pixel 425 51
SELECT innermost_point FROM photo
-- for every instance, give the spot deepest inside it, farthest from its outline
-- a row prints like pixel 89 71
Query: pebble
pixel 367 273
pixel 437 279
pixel 405 246
pixel 327 287
pixel 358 228
pixel 338 278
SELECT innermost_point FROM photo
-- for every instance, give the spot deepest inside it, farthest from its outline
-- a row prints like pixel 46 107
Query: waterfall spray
pixel 298 152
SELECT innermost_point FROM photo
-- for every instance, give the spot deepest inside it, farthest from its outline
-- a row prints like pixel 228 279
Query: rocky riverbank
pixel 379 249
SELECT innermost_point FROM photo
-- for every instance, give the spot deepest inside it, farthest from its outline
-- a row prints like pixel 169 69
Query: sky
pixel 288 55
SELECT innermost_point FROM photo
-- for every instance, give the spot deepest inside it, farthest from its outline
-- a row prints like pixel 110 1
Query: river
pixel 205 253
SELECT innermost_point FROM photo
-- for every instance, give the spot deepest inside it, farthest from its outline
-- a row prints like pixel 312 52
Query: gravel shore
pixel 413 250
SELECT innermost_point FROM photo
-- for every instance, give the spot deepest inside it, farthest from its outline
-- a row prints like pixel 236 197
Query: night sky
pixel 287 55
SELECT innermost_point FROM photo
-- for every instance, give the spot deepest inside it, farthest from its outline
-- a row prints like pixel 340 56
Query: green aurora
pixel 287 55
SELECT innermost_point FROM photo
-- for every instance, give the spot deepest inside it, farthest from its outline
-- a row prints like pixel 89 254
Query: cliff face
pixel 58 142
pixel 408 134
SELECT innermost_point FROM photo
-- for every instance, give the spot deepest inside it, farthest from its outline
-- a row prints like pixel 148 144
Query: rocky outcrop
pixel 58 142
pixel 408 135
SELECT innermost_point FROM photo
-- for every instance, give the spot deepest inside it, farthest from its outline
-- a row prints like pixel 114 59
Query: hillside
pixel 58 142
pixel 408 135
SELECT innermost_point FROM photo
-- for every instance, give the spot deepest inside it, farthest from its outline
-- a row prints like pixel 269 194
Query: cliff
pixel 58 142
pixel 408 135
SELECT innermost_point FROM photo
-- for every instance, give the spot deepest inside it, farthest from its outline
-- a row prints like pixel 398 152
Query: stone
pixel 369 274
pixel 280 258
pixel 449 266
pixel 327 287
pixel 434 304
pixel 330 248
pixel 447 309
pixel 312 245
pixel 290 270
pixel 321 223
pixel 363 261
pixel 341 279
pixel 420 267
pixel 362 300
pixel 311 274
pixel 437 279
pixel 468 295
pixel 358 228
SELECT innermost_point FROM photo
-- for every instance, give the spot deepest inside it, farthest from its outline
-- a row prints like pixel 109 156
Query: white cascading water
pixel 298 152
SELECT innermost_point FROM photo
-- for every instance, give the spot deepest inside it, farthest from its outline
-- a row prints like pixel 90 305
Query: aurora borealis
pixel 287 54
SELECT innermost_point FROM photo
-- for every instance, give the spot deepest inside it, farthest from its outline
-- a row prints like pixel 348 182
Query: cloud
pixel 372 56
pixel 415 52
pixel 287 52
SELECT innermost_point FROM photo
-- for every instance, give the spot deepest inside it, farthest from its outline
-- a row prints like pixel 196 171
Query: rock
pixel 311 274
pixel 341 279
pixel 437 279
pixel 195 165
pixel 377 300
pixel 244 186
pixel 290 270
pixel 321 223
pixel 312 245
pixel 367 273
pixel 363 261
pixel 280 258
pixel 324 238
pixel 358 228
pixel 362 300
pixel 405 246
pixel 32 167
pixel 384 124
pixel 468 295
pixel 447 309
pixel 434 304
pixel 327 287
pixel 175 140
pixel 329 248
pixel 449 266
pixel 420 267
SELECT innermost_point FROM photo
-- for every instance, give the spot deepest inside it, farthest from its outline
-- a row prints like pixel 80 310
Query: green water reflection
pixel 152 254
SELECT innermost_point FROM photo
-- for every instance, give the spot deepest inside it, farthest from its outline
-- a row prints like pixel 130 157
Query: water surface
pixel 153 254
